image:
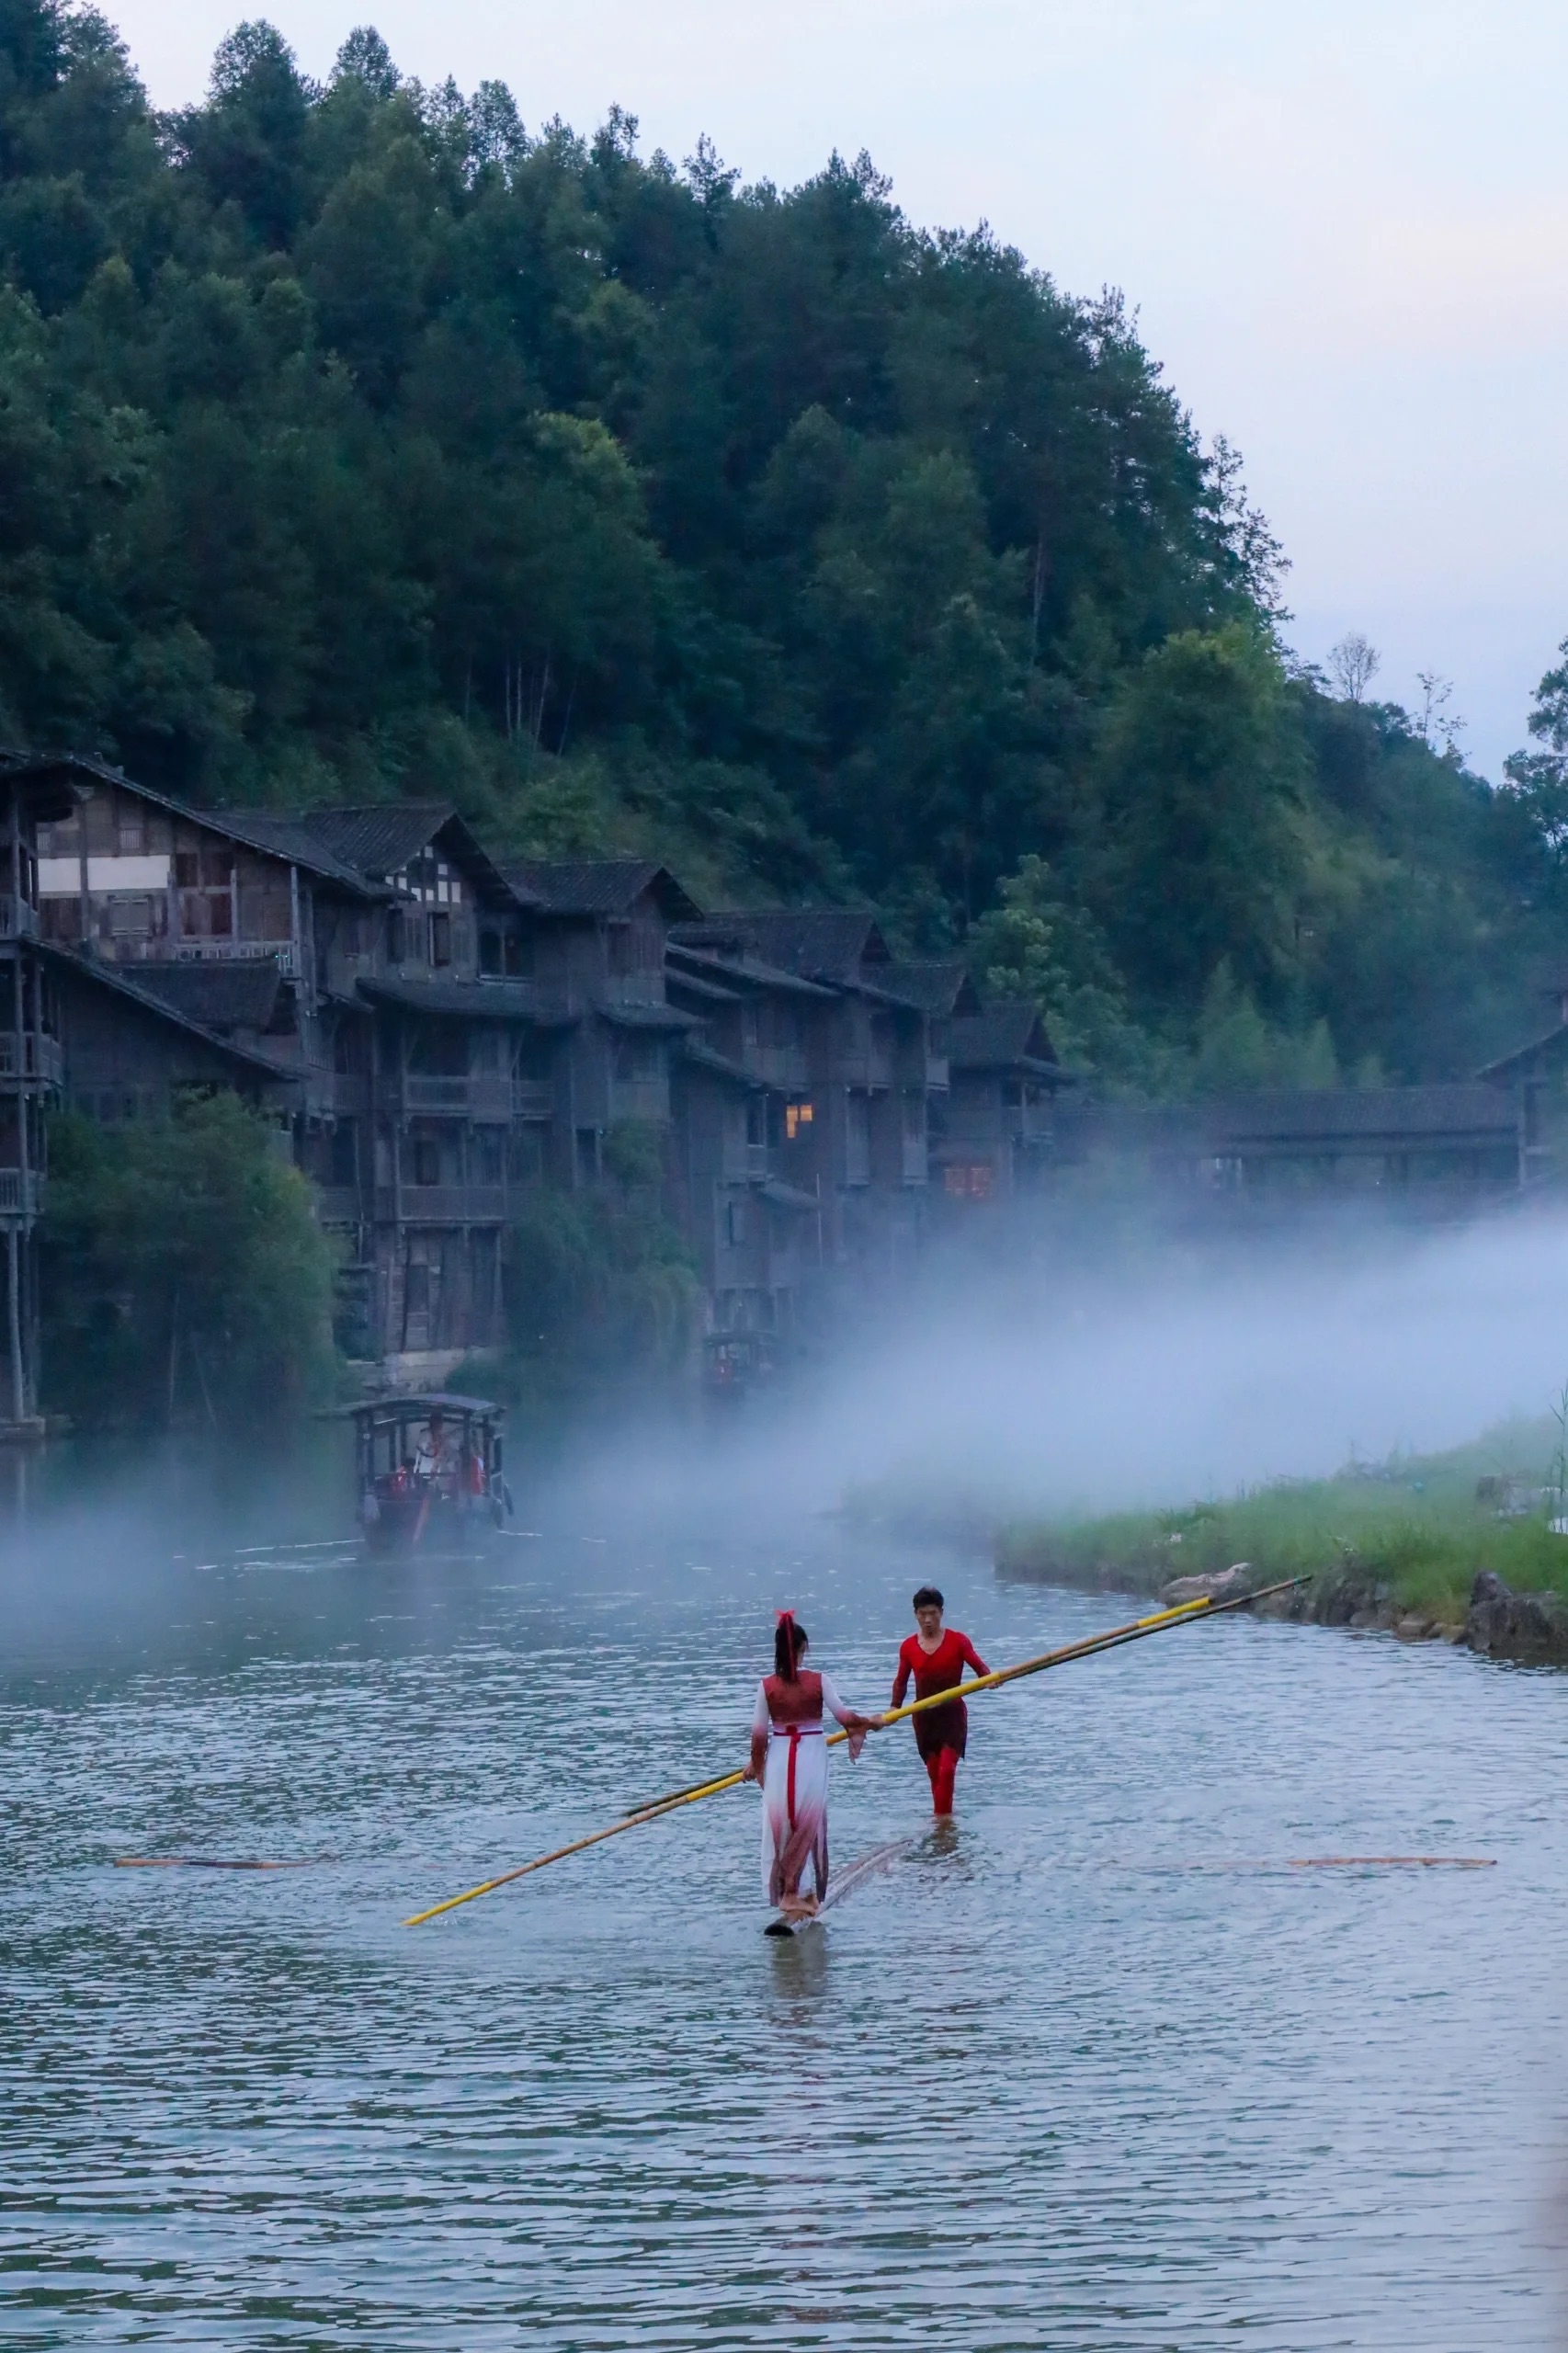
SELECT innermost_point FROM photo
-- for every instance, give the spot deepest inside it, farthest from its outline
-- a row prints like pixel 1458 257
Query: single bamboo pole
pixel 1112 1640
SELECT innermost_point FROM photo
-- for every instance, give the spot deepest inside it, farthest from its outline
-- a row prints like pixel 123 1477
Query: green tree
pixel 185 1276
pixel 1203 773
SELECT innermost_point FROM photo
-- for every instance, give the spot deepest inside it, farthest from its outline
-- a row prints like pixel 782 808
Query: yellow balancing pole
pixel 1184 1614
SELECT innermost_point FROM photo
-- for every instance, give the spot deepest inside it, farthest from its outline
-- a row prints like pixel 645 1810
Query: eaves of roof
pixel 646 1016
pixel 788 1197
pixel 707 991
pixel 471 1001
pixel 1522 1054
pixel 750 969
pixel 720 1064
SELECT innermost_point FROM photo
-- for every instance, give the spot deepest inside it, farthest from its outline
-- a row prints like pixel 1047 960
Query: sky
pixel 1343 225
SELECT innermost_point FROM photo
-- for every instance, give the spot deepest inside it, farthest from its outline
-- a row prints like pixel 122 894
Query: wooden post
pixel 20 1400
pixel 14 1305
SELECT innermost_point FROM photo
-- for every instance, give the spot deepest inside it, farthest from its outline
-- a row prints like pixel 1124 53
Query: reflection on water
pixel 1023 2090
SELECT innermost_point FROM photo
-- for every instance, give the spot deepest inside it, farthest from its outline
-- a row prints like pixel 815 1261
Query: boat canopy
pixel 408 1406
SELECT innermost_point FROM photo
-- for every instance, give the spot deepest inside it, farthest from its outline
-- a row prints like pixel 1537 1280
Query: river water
pixel 1099 2071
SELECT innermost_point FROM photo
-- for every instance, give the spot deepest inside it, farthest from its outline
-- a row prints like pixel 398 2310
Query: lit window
pixel 796 1116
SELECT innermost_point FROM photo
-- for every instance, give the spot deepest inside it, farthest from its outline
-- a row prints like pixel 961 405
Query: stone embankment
pixel 1531 1628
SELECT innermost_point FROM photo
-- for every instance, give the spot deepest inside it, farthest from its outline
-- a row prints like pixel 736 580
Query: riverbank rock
pixel 1222 1584
pixel 1505 1624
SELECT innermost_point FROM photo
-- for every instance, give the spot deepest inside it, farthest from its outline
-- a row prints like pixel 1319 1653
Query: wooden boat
pixel 429 1472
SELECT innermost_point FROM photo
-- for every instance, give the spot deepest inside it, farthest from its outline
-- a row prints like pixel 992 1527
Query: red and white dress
pixel 794 1785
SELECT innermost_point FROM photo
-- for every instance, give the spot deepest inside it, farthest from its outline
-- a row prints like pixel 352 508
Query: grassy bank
pixel 1416 1529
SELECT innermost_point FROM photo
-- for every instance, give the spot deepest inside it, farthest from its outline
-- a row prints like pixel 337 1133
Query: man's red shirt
pixel 939 1670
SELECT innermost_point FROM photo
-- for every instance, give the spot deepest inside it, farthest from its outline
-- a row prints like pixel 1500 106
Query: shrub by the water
pixel 1416 1530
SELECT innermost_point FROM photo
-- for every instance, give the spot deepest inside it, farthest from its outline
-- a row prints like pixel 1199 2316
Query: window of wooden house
pixel 425 1157
pixel 350 1054
pixel 130 829
pixel 797 1116
pixel 489 1155
pixel 416 1289
pixel 519 954
pixel 968 1180
pixel 344 1160
pixel 735 1221
pixel 525 1155
pixel 440 939
pixel 751 1022
pixel 490 952
pixel 858 1140
pixel 397 940
pixel 620 950
pixel 188 869
pixel 1012 1094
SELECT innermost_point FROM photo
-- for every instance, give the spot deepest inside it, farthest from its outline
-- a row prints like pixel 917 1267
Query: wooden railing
pixel 41 1057
pixel 20 1195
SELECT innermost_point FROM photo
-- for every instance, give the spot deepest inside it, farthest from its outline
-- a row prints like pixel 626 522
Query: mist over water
pixel 1183 2091
pixel 1068 1376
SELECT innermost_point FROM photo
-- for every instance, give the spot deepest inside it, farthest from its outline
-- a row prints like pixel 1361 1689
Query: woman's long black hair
pixel 789 1641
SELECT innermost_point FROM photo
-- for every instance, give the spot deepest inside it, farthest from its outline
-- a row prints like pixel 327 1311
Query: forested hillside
pixel 357 440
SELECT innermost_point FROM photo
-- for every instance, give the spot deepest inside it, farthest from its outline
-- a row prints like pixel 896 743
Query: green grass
pixel 1413 1527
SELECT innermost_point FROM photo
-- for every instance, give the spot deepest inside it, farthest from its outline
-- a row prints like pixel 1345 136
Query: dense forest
pixel 358 440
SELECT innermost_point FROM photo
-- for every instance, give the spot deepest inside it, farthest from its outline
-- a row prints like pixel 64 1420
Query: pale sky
pixel 1343 225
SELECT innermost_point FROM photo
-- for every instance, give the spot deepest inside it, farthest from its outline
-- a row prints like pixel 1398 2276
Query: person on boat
pixel 789 1757
pixel 935 1657
pixel 433 1458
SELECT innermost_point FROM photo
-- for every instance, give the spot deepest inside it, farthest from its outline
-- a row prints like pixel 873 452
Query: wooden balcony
pixel 485 1097
pixel 22 1196
pixel 41 1057
pixel 533 1098
pixel 340 1204
pixel 18 919
pixel 443 1204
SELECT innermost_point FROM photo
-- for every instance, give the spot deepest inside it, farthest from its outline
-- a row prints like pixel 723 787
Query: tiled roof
pixel 241 995
pixel 473 1000
pixel 722 965
pixel 815 943
pixel 118 979
pixel 1319 1115
pixel 600 886
pixel 937 989
pixel 1005 1034
pixel 378 840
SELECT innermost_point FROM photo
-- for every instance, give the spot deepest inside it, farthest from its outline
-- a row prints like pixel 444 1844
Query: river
pixel 1099 2071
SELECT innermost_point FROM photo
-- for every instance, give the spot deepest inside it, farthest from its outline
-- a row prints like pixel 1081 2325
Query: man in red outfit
pixel 937 1659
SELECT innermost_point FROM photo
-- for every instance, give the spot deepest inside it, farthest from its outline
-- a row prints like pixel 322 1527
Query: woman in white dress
pixel 789 1757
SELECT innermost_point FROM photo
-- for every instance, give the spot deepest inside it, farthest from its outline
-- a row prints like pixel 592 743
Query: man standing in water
pixel 937 1658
